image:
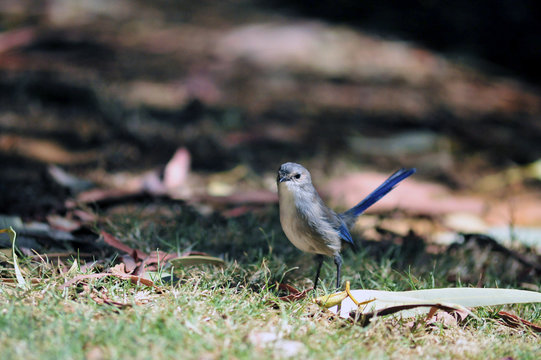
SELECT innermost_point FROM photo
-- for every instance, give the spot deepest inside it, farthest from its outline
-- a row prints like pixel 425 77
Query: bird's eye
pixel 297 176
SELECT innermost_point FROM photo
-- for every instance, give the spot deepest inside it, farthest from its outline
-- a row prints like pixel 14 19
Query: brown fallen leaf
pixel 159 257
pixel 152 261
pixel 448 319
pixel 106 196
pixel 515 322
pixel 67 180
pixel 119 269
pixel 101 297
pixel 142 267
pixel 177 169
pixel 294 294
pixel 138 262
pixel 63 223
pixel 289 288
pixel 16 38
pixel 44 150
pixel 78 278
pixel 85 216
pixel 117 244
pixel 141 280
pixel 129 263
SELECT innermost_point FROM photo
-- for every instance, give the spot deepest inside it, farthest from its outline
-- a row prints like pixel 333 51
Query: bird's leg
pixel 319 260
pixel 338 262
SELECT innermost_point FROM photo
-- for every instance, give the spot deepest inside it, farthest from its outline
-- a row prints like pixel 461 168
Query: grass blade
pixel 197 260
pixel 21 282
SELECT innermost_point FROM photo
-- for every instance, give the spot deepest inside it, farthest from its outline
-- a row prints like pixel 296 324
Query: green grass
pixel 221 313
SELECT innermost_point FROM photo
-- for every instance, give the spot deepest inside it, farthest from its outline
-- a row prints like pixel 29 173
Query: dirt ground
pixel 108 92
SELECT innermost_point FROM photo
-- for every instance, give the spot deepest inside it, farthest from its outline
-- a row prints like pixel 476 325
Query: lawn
pixel 234 311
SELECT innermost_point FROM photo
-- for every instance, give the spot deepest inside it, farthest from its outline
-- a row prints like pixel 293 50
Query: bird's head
pixel 293 174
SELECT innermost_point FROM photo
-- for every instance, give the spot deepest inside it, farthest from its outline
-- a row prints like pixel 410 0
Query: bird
pixel 312 226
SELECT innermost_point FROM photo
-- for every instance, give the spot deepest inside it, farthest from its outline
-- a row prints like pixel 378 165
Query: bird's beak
pixel 282 178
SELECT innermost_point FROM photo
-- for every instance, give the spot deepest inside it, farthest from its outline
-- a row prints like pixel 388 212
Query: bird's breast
pixel 295 227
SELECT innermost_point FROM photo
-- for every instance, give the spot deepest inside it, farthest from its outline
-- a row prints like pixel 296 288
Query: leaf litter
pixel 135 267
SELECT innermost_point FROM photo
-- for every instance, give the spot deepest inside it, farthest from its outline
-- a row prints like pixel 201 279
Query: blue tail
pixel 377 194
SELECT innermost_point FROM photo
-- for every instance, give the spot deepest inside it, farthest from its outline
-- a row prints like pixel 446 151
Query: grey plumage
pixel 310 225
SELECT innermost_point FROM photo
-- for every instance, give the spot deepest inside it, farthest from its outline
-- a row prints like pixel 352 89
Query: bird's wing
pixel 346 236
pixel 344 233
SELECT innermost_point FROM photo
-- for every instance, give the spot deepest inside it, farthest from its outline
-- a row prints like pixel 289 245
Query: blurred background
pixel 202 101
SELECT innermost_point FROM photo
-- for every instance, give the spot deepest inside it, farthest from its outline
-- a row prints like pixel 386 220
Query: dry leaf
pixel 105 196
pixel 294 294
pixel 100 297
pixel 19 37
pixel 117 244
pixel 448 319
pixel 63 178
pixel 118 269
pixel 129 263
pixel 63 223
pixel 177 169
pixel 515 322
pixel 44 150
pixel 78 278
